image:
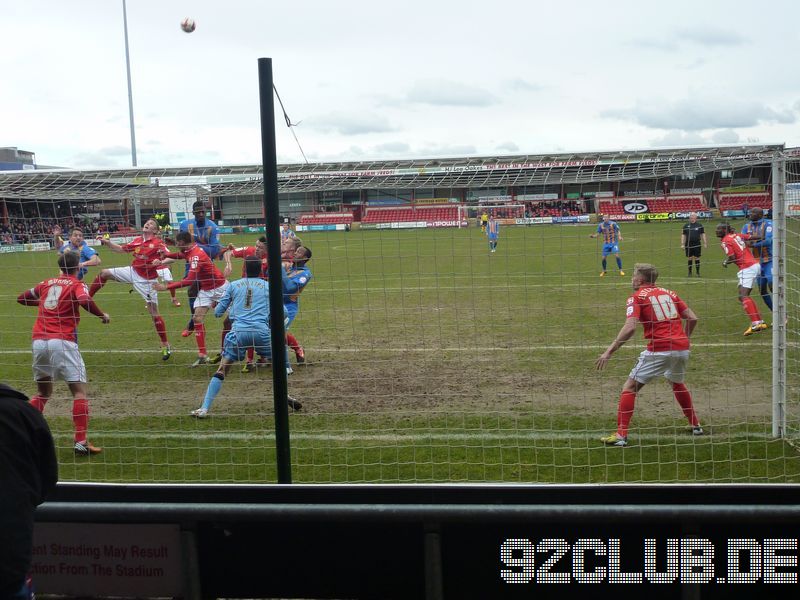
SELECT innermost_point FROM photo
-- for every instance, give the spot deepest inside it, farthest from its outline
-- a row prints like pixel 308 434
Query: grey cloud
pixel 702 36
pixel 697 114
pixel 393 148
pixel 522 85
pixel 679 138
pixel 710 36
pixel 653 44
pixel 507 147
pixel 725 136
pixel 676 137
pixel 445 150
pixel 115 151
pixel 97 158
pixel 350 124
pixel 440 92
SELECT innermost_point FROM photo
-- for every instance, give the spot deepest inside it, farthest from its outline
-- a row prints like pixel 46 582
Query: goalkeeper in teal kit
pixel 247 301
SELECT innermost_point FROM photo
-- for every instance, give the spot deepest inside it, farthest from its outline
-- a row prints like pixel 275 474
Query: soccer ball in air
pixel 188 25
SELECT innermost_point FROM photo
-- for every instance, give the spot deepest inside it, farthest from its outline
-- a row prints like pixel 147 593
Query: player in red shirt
pixel 736 251
pixel 55 342
pixel 210 281
pixel 668 322
pixel 142 274
pixel 259 250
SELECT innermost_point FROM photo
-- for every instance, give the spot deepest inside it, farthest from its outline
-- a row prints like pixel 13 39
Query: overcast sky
pixel 386 80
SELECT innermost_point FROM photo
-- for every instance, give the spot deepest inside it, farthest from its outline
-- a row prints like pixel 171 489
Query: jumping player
pixel 205 233
pixel 295 279
pixel 668 323
pixel 612 236
pixel 55 342
pixel 76 244
pixel 210 282
pixel 758 237
pixel 142 274
pixel 736 251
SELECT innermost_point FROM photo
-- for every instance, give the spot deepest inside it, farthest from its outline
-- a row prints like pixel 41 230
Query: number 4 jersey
pixel 659 311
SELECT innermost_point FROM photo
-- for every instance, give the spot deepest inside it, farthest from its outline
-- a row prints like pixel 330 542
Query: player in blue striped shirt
pixel 492 232
pixel 758 236
pixel 612 236
pixel 247 301
pixel 75 243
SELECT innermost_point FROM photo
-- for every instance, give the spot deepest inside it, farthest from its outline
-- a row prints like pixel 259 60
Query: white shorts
pixel 143 286
pixel 748 276
pixel 208 298
pixel 671 365
pixel 58 359
pixel 165 273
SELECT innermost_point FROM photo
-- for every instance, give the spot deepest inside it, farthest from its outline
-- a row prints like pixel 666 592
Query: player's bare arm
pixel 624 334
pixel 689 321
pixel 58 241
pixel 114 247
pixel 92 262
pixel 227 258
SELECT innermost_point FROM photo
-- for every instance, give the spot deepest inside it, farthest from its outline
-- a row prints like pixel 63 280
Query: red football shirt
pixel 659 310
pixel 59 303
pixel 733 245
pixel 246 251
pixel 144 253
pixel 201 269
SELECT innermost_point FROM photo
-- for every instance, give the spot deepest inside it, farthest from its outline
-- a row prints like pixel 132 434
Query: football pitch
pixel 429 360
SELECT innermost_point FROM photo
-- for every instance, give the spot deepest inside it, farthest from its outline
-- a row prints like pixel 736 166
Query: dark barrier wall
pixel 460 541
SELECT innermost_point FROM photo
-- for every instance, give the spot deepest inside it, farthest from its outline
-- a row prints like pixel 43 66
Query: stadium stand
pixel 326 219
pixel 399 214
pixel 736 201
pixel 654 205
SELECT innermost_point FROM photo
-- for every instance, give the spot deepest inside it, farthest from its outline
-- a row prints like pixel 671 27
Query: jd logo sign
pixel 635 208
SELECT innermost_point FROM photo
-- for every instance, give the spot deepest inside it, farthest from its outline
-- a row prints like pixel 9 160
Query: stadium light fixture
pixel 130 92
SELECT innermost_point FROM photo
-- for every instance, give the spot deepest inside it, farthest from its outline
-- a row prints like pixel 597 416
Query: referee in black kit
pixel 691 236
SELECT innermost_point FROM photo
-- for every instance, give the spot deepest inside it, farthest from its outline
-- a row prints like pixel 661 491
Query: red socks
pixel 751 309
pixel 80 417
pixel 627 400
pixel 161 328
pixel 684 398
pixel 291 341
pixel 200 338
pixel 38 403
pixel 96 285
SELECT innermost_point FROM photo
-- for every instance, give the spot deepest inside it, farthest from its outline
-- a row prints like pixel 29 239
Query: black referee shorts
pixel 693 251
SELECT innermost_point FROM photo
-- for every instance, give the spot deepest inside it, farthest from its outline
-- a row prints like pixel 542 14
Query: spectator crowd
pixel 37 224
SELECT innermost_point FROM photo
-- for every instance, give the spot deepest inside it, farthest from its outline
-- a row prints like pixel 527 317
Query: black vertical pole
pixel 272 213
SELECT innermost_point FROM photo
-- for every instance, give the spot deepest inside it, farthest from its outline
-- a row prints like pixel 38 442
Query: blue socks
pixel 214 386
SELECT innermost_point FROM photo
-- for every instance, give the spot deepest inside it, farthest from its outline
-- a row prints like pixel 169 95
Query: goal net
pixel 427 357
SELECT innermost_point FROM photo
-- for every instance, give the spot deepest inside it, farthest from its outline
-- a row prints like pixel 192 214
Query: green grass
pixel 430 360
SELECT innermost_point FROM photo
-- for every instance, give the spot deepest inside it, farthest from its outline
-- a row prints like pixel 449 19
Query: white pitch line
pixel 556 281
pixel 547 348
pixel 198 435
